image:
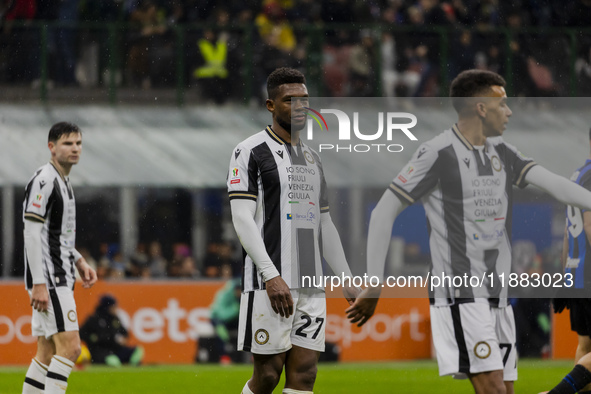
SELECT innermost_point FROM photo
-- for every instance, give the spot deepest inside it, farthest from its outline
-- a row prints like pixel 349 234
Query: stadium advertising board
pixel 167 317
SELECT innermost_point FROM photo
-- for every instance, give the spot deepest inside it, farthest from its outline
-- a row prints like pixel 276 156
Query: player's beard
pixel 288 126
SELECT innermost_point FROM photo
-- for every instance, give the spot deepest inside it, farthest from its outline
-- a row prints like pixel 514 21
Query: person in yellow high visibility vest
pixel 213 73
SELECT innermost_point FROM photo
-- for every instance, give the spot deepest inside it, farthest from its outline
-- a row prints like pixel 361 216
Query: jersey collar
pixel 58 171
pixel 462 139
pixel 278 139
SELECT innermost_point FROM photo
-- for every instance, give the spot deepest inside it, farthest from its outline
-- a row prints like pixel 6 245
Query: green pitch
pixel 403 377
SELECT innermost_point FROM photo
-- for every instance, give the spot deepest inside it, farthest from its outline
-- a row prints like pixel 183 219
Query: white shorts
pixel 60 315
pixel 262 331
pixel 474 337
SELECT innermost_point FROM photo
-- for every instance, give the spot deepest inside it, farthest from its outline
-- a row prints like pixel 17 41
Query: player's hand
pixel 280 296
pixel 364 306
pixel 40 297
pixel 351 293
pixel 87 274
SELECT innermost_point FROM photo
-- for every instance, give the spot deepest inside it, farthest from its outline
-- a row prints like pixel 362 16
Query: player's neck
pixel 63 170
pixel 285 135
pixel 471 129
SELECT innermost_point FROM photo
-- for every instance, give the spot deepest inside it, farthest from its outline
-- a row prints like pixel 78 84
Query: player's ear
pixel 481 109
pixel 51 146
pixel 270 105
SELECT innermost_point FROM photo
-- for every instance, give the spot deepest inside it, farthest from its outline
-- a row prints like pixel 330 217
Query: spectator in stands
pixel 274 28
pixel 361 66
pixel 119 267
pixel 65 43
pixel 106 337
pixel 583 70
pixel 219 260
pixel 463 53
pixel 157 264
pixel 212 73
pixel 138 266
pixel 151 24
pixel 19 54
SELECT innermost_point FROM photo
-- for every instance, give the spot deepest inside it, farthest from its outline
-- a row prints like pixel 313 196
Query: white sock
pixel 35 378
pixel 246 389
pixel 292 391
pixel 57 375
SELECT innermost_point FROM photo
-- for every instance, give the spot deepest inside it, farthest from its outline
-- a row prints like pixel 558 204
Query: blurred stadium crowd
pixel 367 48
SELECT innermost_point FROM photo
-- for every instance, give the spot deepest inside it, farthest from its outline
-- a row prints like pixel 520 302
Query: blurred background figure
pixel 106 337
pixel 224 318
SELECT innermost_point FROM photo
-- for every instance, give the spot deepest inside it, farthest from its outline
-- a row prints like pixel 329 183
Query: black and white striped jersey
pixel 49 199
pixel 287 183
pixel 467 195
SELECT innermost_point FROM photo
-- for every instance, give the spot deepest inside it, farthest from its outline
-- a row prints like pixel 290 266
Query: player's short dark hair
pixel 281 76
pixel 62 128
pixel 472 83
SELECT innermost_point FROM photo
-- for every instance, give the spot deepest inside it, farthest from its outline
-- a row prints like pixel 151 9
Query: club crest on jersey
pixel 261 336
pixel 309 157
pixel 482 350
pixel 72 316
pixel 496 163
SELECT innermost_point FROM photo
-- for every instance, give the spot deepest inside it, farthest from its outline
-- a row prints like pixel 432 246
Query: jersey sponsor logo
pixel 234 181
pixel 494 235
pixel 36 205
pixel 72 316
pixel 237 153
pixel 467 161
pixel 402 179
pixel 482 350
pixel 41 184
pixel 261 336
pixel 310 216
pixel 309 157
pixel 496 163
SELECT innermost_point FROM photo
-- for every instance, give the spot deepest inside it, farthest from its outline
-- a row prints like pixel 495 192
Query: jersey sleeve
pixel 242 177
pixel 418 177
pixel 39 193
pixel 518 163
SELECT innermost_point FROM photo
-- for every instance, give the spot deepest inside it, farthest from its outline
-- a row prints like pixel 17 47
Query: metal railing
pixel 30 53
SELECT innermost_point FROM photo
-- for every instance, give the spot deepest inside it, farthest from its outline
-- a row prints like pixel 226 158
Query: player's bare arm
pixel 87 273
